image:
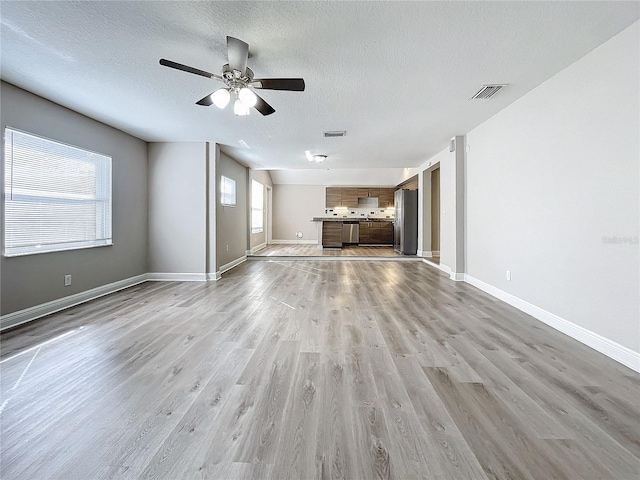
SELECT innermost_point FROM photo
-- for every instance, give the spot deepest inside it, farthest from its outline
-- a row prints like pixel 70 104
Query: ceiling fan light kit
pixel 239 80
pixel 221 97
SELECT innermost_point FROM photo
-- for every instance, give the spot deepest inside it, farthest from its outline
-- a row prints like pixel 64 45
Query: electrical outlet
pixel 67 280
pixel 227 248
pixel 509 275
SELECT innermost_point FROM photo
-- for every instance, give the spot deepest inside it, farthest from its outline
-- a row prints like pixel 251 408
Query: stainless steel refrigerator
pixel 405 221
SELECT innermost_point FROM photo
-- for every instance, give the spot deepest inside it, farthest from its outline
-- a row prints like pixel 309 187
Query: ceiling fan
pixel 239 81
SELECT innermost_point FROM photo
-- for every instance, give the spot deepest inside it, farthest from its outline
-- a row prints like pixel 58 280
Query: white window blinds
pixel 257 207
pixel 57 197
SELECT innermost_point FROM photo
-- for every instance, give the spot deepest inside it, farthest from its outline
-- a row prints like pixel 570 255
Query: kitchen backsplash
pixel 359 212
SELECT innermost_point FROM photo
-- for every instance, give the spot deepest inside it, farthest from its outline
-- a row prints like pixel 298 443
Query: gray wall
pixel 177 207
pixel 231 222
pixel 35 279
pixel 551 181
pixel 293 208
pixel 264 178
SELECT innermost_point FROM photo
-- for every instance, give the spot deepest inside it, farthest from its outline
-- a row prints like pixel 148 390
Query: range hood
pixel 368 202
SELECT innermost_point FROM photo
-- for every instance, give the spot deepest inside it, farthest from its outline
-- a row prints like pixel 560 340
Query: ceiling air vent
pixel 341 133
pixel 487 91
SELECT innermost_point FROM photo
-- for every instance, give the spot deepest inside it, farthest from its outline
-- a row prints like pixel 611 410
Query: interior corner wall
pixel 448 242
pixel 177 207
pixel 293 208
pixel 553 194
pixel 32 280
pixel 264 178
pixel 231 222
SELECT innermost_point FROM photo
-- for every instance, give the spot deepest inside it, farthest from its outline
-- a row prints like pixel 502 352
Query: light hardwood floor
pixel 305 370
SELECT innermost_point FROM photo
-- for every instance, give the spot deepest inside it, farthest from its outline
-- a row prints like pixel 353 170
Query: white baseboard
pixel 611 349
pixel 457 277
pixel 228 266
pixel 294 242
pixel 257 248
pixel 214 277
pixel 425 253
pixel 177 277
pixel 420 253
pixel 440 267
pixel 33 313
pixel 435 253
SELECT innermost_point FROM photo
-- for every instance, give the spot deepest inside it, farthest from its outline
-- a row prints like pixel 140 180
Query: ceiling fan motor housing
pixel 234 79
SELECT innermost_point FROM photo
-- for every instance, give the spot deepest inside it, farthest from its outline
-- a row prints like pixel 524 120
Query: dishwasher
pixel 350 232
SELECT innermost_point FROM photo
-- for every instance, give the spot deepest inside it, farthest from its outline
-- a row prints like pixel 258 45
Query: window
pixel 257 207
pixel 227 192
pixel 57 197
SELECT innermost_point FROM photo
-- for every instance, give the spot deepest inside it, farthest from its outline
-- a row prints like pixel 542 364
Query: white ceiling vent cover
pixel 340 133
pixel 487 91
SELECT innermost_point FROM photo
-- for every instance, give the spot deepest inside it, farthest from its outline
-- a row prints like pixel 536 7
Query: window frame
pixel 225 195
pixel 102 199
pixel 254 208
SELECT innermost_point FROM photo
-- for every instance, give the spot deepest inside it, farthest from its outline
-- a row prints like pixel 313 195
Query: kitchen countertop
pixel 350 219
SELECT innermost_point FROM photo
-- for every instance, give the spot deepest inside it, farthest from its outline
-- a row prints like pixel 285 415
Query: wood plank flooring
pixel 311 370
pixel 312 251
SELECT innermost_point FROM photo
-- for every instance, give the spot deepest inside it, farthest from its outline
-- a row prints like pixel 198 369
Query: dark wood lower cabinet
pixel 386 236
pixel 332 234
pixel 376 233
pixel 365 236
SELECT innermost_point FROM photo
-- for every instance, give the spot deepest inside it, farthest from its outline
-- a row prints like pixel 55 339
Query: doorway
pixel 435 214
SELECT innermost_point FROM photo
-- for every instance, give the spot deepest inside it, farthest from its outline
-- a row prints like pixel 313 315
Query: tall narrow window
pixel 57 197
pixel 257 207
pixel 227 191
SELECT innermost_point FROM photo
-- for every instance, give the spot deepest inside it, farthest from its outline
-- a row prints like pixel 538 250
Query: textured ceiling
pixel 397 76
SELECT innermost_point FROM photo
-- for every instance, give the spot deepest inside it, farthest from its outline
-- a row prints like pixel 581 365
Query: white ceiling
pixel 397 76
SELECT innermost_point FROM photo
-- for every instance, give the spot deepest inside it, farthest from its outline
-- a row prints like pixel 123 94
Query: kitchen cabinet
pixel 385 199
pixel 409 184
pixel 333 197
pixel 376 233
pixel 349 197
pixel 374 192
pixel 365 235
pixel 332 234
pixel 386 234
pixel 363 192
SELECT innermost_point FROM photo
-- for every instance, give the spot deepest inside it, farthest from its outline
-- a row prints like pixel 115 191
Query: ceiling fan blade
pixel 263 107
pixel 238 52
pixel 185 68
pixel 206 101
pixel 292 84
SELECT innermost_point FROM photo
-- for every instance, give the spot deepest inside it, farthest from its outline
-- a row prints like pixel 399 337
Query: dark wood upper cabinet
pixel 333 197
pixel 349 197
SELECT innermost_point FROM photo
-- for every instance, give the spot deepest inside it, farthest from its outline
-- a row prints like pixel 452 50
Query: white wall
pixel 35 279
pixel 551 178
pixel 293 208
pixel 177 207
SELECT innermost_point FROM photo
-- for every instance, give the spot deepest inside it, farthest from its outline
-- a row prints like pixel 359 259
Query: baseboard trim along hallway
pixel 611 349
